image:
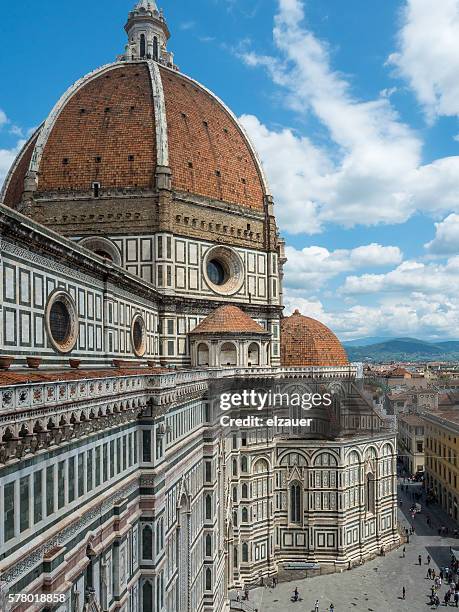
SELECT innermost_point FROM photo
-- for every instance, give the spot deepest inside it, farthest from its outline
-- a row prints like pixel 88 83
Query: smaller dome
pixel 307 342
pixel 228 319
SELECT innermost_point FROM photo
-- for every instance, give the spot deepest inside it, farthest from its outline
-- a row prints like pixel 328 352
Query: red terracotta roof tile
pixel 228 319
pixel 307 342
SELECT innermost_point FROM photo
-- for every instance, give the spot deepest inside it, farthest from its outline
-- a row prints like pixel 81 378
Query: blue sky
pixel 353 107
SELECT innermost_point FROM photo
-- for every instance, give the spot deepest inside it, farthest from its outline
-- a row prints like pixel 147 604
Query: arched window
pixel 254 355
pixel 234 467
pixel 244 464
pixel 235 518
pixel 203 354
pixel 296 509
pixel 228 354
pixel 245 515
pixel 245 552
pixel 208 545
pixel 235 557
pixel 147 543
pixel 245 491
pixel 208 579
pixel 155 49
pixel 147 597
pixel 234 494
pixel 160 535
pixel 142 45
pixel 370 493
pixel 208 507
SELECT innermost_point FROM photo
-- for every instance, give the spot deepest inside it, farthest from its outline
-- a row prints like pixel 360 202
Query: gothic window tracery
pixel 296 505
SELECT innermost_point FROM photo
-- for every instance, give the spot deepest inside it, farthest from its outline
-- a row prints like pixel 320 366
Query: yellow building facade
pixel 441 458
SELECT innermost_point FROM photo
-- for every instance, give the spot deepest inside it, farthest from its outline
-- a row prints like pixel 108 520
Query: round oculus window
pixel 139 335
pixel 223 270
pixel 216 272
pixel 61 321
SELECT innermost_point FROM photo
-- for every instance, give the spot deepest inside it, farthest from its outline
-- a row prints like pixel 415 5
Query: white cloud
pixel 428 54
pixel 314 266
pixel 295 169
pixel 446 239
pixel 187 25
pixel 415 315
pixel 7 157
pixel 433 279
pixel 372 174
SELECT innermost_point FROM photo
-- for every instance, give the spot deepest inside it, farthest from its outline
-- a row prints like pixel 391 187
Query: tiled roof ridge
pixel 228 318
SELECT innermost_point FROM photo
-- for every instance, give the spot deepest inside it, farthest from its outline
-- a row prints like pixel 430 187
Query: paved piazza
pixel 377 585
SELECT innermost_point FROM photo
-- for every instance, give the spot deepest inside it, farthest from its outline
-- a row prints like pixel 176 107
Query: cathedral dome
pixel 115 128
pixel 307 342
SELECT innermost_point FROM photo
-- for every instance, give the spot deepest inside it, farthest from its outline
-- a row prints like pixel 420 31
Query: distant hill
pixel 404 349
pixel 366 341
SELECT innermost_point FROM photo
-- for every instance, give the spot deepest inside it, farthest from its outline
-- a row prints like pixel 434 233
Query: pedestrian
pixel 316 606
pixel 403 593
pixel 428 559
pixel 238 596
pixel 456 598
pixel 420 560
pixel 246 594
pixel 429 571
pixel 404 551
pixel 441 574
pixel 274 581
pixel 332 608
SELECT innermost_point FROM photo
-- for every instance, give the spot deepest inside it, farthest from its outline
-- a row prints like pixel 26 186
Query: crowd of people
pixel 447 576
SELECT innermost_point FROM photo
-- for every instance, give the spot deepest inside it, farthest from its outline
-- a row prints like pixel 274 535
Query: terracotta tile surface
pixel 307 342
pixel 104 124
pixel 208 153
pixel 228 318
pixel 106 133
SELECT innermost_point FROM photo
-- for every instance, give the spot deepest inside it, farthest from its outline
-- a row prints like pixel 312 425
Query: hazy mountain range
pixel 401 349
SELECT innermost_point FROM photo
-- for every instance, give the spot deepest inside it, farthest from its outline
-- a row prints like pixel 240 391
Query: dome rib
pixel 308 342
pixel 162 142
pixel 13 185
pixel 242 130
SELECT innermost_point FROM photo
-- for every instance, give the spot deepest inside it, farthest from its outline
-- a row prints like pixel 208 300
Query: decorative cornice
pixel 35 242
